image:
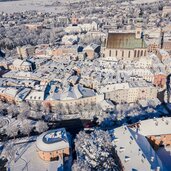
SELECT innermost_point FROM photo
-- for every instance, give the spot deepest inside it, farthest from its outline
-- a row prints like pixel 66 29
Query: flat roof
pixel 156 126
pixel 53 140
pixel 28 160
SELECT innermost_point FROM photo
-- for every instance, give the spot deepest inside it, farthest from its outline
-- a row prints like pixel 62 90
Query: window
pixel 129 53
pixel 145 53
pixel 122 53
pixel 135 53
pixel 116 53
pixel 138 53
pixel 110 53
pixel 142 53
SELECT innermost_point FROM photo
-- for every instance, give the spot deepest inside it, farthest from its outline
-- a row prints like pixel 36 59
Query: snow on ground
pixel 164 154
pixel 144 1
pixel 4 121
pixel 26 5
pixel 28 159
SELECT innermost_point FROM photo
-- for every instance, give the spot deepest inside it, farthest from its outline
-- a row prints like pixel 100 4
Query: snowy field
pixel 144 1
pixel 26 5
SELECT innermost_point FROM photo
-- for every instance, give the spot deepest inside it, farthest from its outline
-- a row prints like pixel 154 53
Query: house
pixel 106 105
pixel 166 11
pixel 21 65
pixel 72 96
pixel 13 94
pixel 143 63
pixel 43 52
pixel 129 92
pixel 92 51
pixel 135 144
pixel 167 42
pixel 67 50
pixel 160 79
pixel 34 26
pixel 25 51
pixel 35 96
pixel 153 39
pixel 162 54
pixel 3 71
pixel 2 53
pixel 70 39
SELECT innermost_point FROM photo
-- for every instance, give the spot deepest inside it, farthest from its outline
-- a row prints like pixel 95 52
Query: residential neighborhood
pixel 85 85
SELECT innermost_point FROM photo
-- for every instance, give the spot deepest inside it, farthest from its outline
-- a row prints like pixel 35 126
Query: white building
pixel 134 149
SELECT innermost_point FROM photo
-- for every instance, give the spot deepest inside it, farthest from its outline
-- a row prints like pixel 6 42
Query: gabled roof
pixel 134 150
pixel 76 92
pixel 124 41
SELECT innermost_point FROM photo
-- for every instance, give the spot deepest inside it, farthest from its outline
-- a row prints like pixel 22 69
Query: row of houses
pixel 44 51
pixel 129 92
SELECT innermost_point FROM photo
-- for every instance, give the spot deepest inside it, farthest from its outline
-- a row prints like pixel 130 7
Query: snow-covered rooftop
pixel 134 150
pixel 53 140
pixel 28 160
pixel 156 126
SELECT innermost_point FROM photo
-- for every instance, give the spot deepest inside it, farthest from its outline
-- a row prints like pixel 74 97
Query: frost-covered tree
pixel 26 128
pixel 41 126
pixel 12 110
pixel 95 152
pixel 36 115
pixel 12 131
pixel 10 151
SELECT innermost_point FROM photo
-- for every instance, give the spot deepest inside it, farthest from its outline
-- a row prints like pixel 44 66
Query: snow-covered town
pixel 85 85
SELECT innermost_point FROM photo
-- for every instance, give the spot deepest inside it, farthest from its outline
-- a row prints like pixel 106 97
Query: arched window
pixel 110 53
pixel 138 53
pixel 116 53
pixel 142 53
pixel 129 54
pixel 145 53
pixel 123 53
pixel 135 53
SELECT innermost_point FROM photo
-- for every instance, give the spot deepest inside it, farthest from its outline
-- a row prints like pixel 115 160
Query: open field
pixel 26 5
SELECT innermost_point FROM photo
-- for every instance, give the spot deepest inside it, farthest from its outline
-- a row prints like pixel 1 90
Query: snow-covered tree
pixel 12 110
pixel 26 128
pixel 41 126
pixel 95 152
pixel 12 131
pixel 10 151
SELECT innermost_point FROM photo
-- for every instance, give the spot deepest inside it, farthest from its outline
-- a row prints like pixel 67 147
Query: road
pixel 72 126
